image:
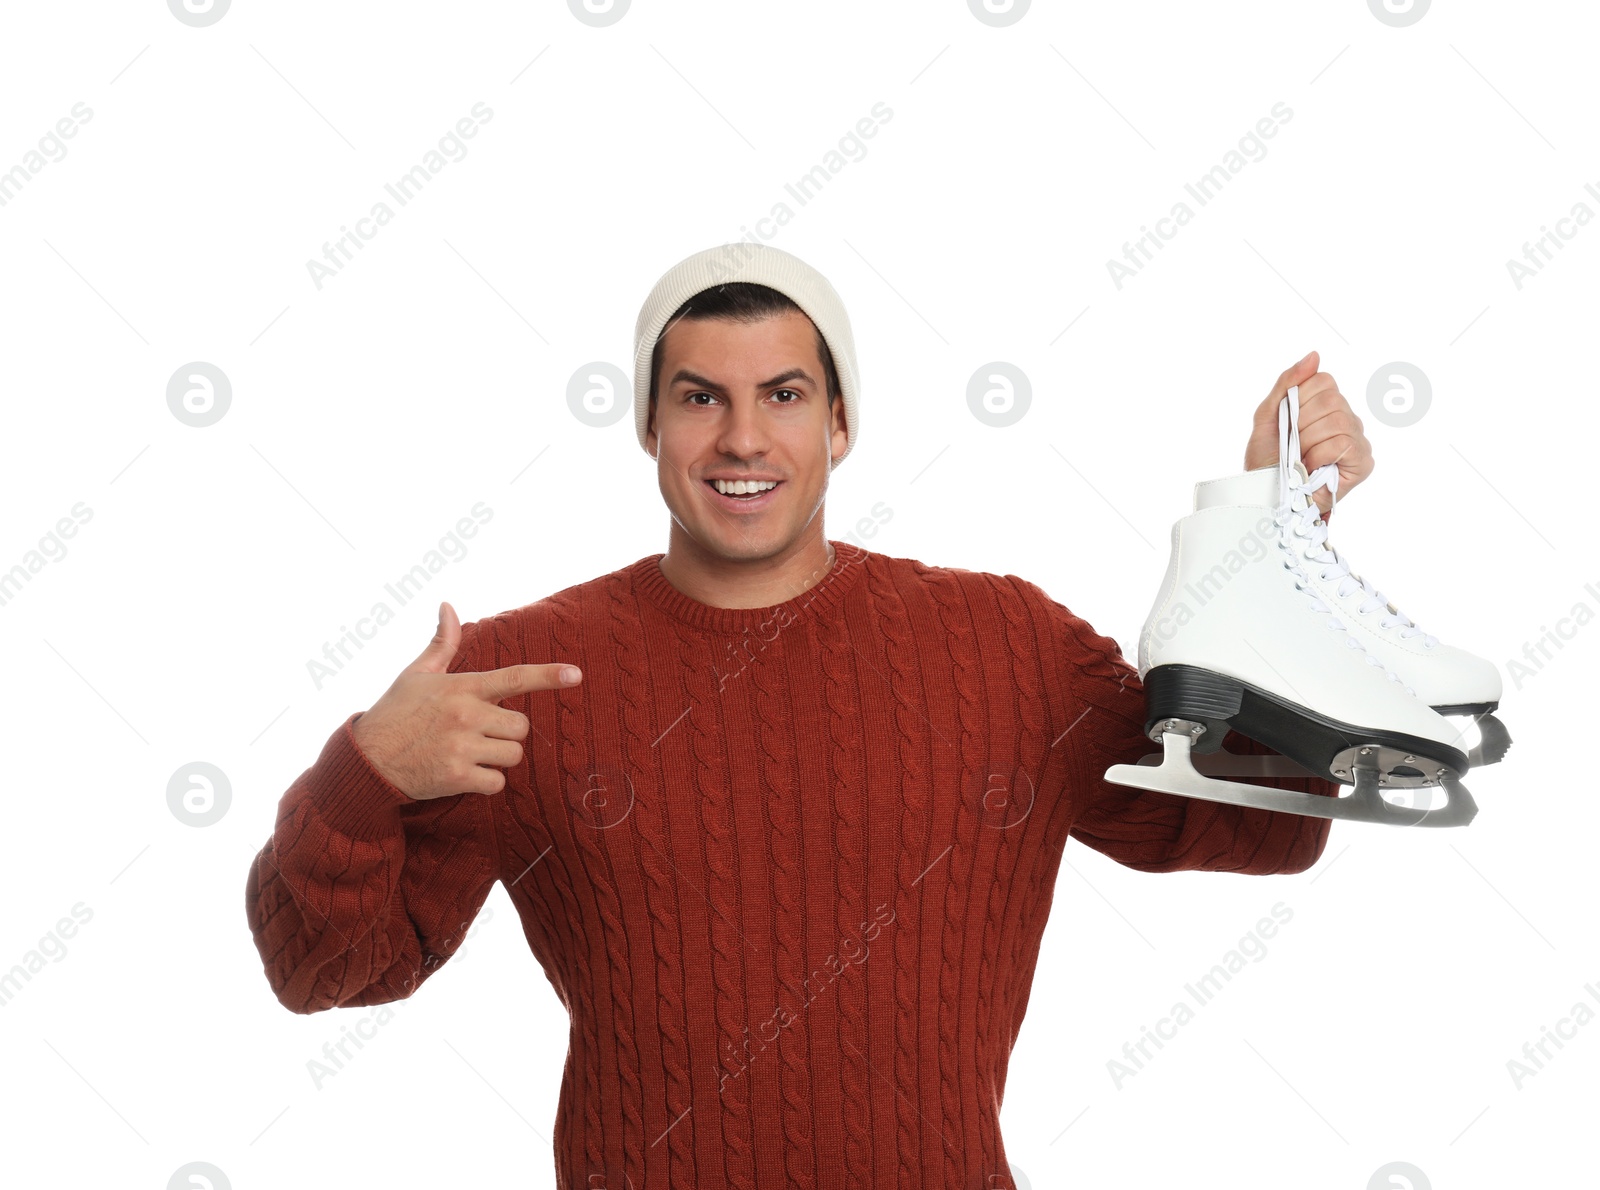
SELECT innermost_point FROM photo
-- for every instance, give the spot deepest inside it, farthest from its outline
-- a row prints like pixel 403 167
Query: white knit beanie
pixel 761 264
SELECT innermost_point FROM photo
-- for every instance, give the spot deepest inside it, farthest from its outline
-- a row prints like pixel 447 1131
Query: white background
pixel 431 373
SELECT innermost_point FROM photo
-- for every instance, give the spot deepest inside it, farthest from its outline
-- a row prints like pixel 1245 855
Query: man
pixel 787 846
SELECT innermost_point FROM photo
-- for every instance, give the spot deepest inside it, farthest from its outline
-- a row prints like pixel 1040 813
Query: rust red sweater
pixel 787 869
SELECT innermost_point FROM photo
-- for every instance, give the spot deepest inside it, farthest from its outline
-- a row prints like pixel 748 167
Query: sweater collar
pixel 819 599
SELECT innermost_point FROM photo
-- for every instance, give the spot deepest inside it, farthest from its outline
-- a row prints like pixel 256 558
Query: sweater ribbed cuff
pixel 349 794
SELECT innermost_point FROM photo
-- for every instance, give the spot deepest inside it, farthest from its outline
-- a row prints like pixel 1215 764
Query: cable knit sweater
pixel 786 868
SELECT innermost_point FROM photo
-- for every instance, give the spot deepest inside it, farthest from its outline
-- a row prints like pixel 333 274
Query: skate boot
pixel 1450 680
pixel 1239 637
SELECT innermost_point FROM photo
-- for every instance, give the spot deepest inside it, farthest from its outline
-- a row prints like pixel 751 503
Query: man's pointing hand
pixel 436 734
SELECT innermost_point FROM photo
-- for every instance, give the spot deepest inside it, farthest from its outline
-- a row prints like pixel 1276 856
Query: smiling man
pixel 744 450
pixel 785 850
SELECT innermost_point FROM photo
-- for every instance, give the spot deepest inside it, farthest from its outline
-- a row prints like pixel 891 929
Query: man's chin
pixel 748 542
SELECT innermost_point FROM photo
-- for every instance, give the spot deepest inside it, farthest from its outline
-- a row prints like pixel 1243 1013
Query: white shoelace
pixel 1298 512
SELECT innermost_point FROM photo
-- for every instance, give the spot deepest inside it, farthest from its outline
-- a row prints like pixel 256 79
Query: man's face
pixel 739 399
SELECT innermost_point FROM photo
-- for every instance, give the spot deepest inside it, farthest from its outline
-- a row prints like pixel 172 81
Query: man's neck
pixel 745 583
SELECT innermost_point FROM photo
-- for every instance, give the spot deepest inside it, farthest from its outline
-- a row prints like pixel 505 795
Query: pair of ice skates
pixel 1260 626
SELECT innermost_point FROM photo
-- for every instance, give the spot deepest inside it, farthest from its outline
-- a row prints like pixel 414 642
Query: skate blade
pixel 1229 764
pixel 1493 742
pixel 1177 774
pixel 1493 738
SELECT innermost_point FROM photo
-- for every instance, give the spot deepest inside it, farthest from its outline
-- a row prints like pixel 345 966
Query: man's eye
pixel 795 393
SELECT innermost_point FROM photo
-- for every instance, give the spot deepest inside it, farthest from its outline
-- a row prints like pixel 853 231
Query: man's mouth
pixel 752 493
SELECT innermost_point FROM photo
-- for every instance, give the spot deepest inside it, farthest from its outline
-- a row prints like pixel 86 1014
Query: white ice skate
pixel 1450 680
pixel 1239 636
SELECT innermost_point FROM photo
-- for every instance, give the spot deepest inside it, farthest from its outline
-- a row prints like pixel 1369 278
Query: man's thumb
pixel 441 649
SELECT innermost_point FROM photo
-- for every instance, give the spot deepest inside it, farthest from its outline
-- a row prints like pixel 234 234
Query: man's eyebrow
pixel 683 374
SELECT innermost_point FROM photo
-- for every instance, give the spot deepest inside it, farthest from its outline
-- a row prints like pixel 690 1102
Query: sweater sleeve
pixel 361 892
pixel 1101 699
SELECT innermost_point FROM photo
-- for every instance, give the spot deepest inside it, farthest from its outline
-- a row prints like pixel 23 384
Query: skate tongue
pixel 1298 475
pixel 1254 489
pixel 1265 486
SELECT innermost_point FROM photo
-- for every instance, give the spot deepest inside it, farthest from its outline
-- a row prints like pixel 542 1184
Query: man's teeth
pixel 739 487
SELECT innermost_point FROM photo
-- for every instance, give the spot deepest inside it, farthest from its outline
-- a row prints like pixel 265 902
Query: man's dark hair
pixel 740 301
